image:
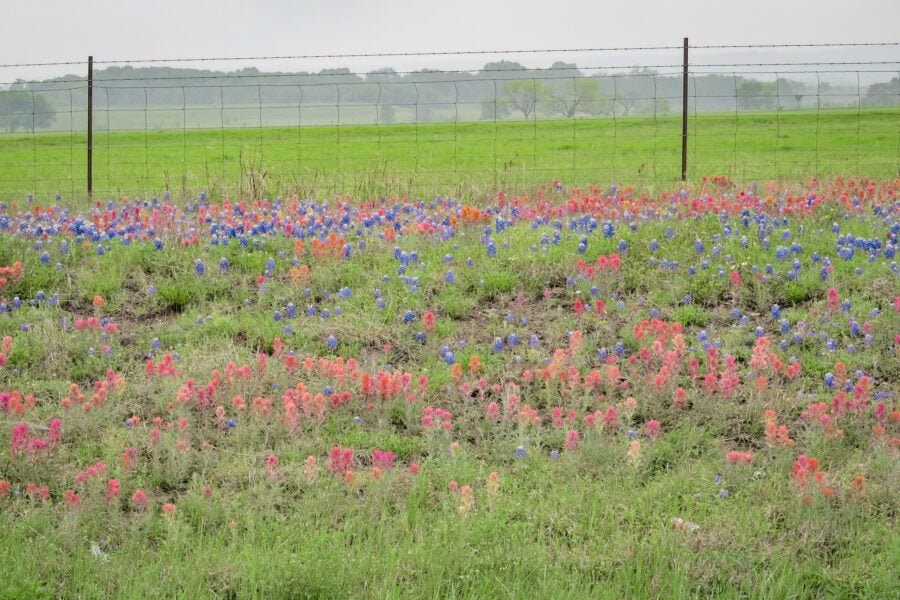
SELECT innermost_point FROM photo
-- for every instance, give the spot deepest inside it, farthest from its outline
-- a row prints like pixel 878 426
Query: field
pixel 453 158
pixel 605 392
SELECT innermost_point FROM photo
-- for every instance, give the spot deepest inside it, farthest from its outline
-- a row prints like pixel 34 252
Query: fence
pixel 630 115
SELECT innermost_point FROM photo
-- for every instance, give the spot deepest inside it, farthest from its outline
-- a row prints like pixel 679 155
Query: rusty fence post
pixel 90 127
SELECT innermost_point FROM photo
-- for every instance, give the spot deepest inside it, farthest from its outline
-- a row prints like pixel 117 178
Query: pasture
pixel 462 159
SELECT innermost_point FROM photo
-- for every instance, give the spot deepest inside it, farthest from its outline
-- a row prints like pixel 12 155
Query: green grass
pixel 455 157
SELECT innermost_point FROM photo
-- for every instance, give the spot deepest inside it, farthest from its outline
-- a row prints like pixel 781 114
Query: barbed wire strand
pixel 454 53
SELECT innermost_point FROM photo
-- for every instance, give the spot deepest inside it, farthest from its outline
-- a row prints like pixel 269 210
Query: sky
pixel 66 30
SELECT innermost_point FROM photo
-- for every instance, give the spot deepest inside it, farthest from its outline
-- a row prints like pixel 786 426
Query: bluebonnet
pixel 608 230
pixel 447 355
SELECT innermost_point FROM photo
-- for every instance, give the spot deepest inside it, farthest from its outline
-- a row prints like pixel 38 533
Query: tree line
pixel 499 90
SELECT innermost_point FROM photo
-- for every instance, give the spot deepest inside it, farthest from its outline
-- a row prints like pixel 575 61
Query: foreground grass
pixel 595 520
pixel 459 159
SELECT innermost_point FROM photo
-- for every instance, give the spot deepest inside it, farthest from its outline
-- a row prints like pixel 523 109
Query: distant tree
pixel 883 94
pixel 524 95
pixel 602 105
pixel 491 110
pixel 503 69
pixel 754 94
pixel 383 75
pixel 24 110
pixel 338 71
pixel 564 69
pixel 789 89
pixel 628 101
pixel 572 96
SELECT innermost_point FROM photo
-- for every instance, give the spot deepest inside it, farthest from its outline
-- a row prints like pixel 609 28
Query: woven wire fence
pixel 592 116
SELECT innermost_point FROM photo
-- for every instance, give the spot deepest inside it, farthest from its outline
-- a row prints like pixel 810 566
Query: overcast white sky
pixel 59 30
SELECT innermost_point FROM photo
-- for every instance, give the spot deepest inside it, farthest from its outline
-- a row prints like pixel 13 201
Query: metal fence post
pixel 90 127
pixel 684 113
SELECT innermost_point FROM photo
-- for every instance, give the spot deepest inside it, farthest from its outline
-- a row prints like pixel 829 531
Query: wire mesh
pixel 244 132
